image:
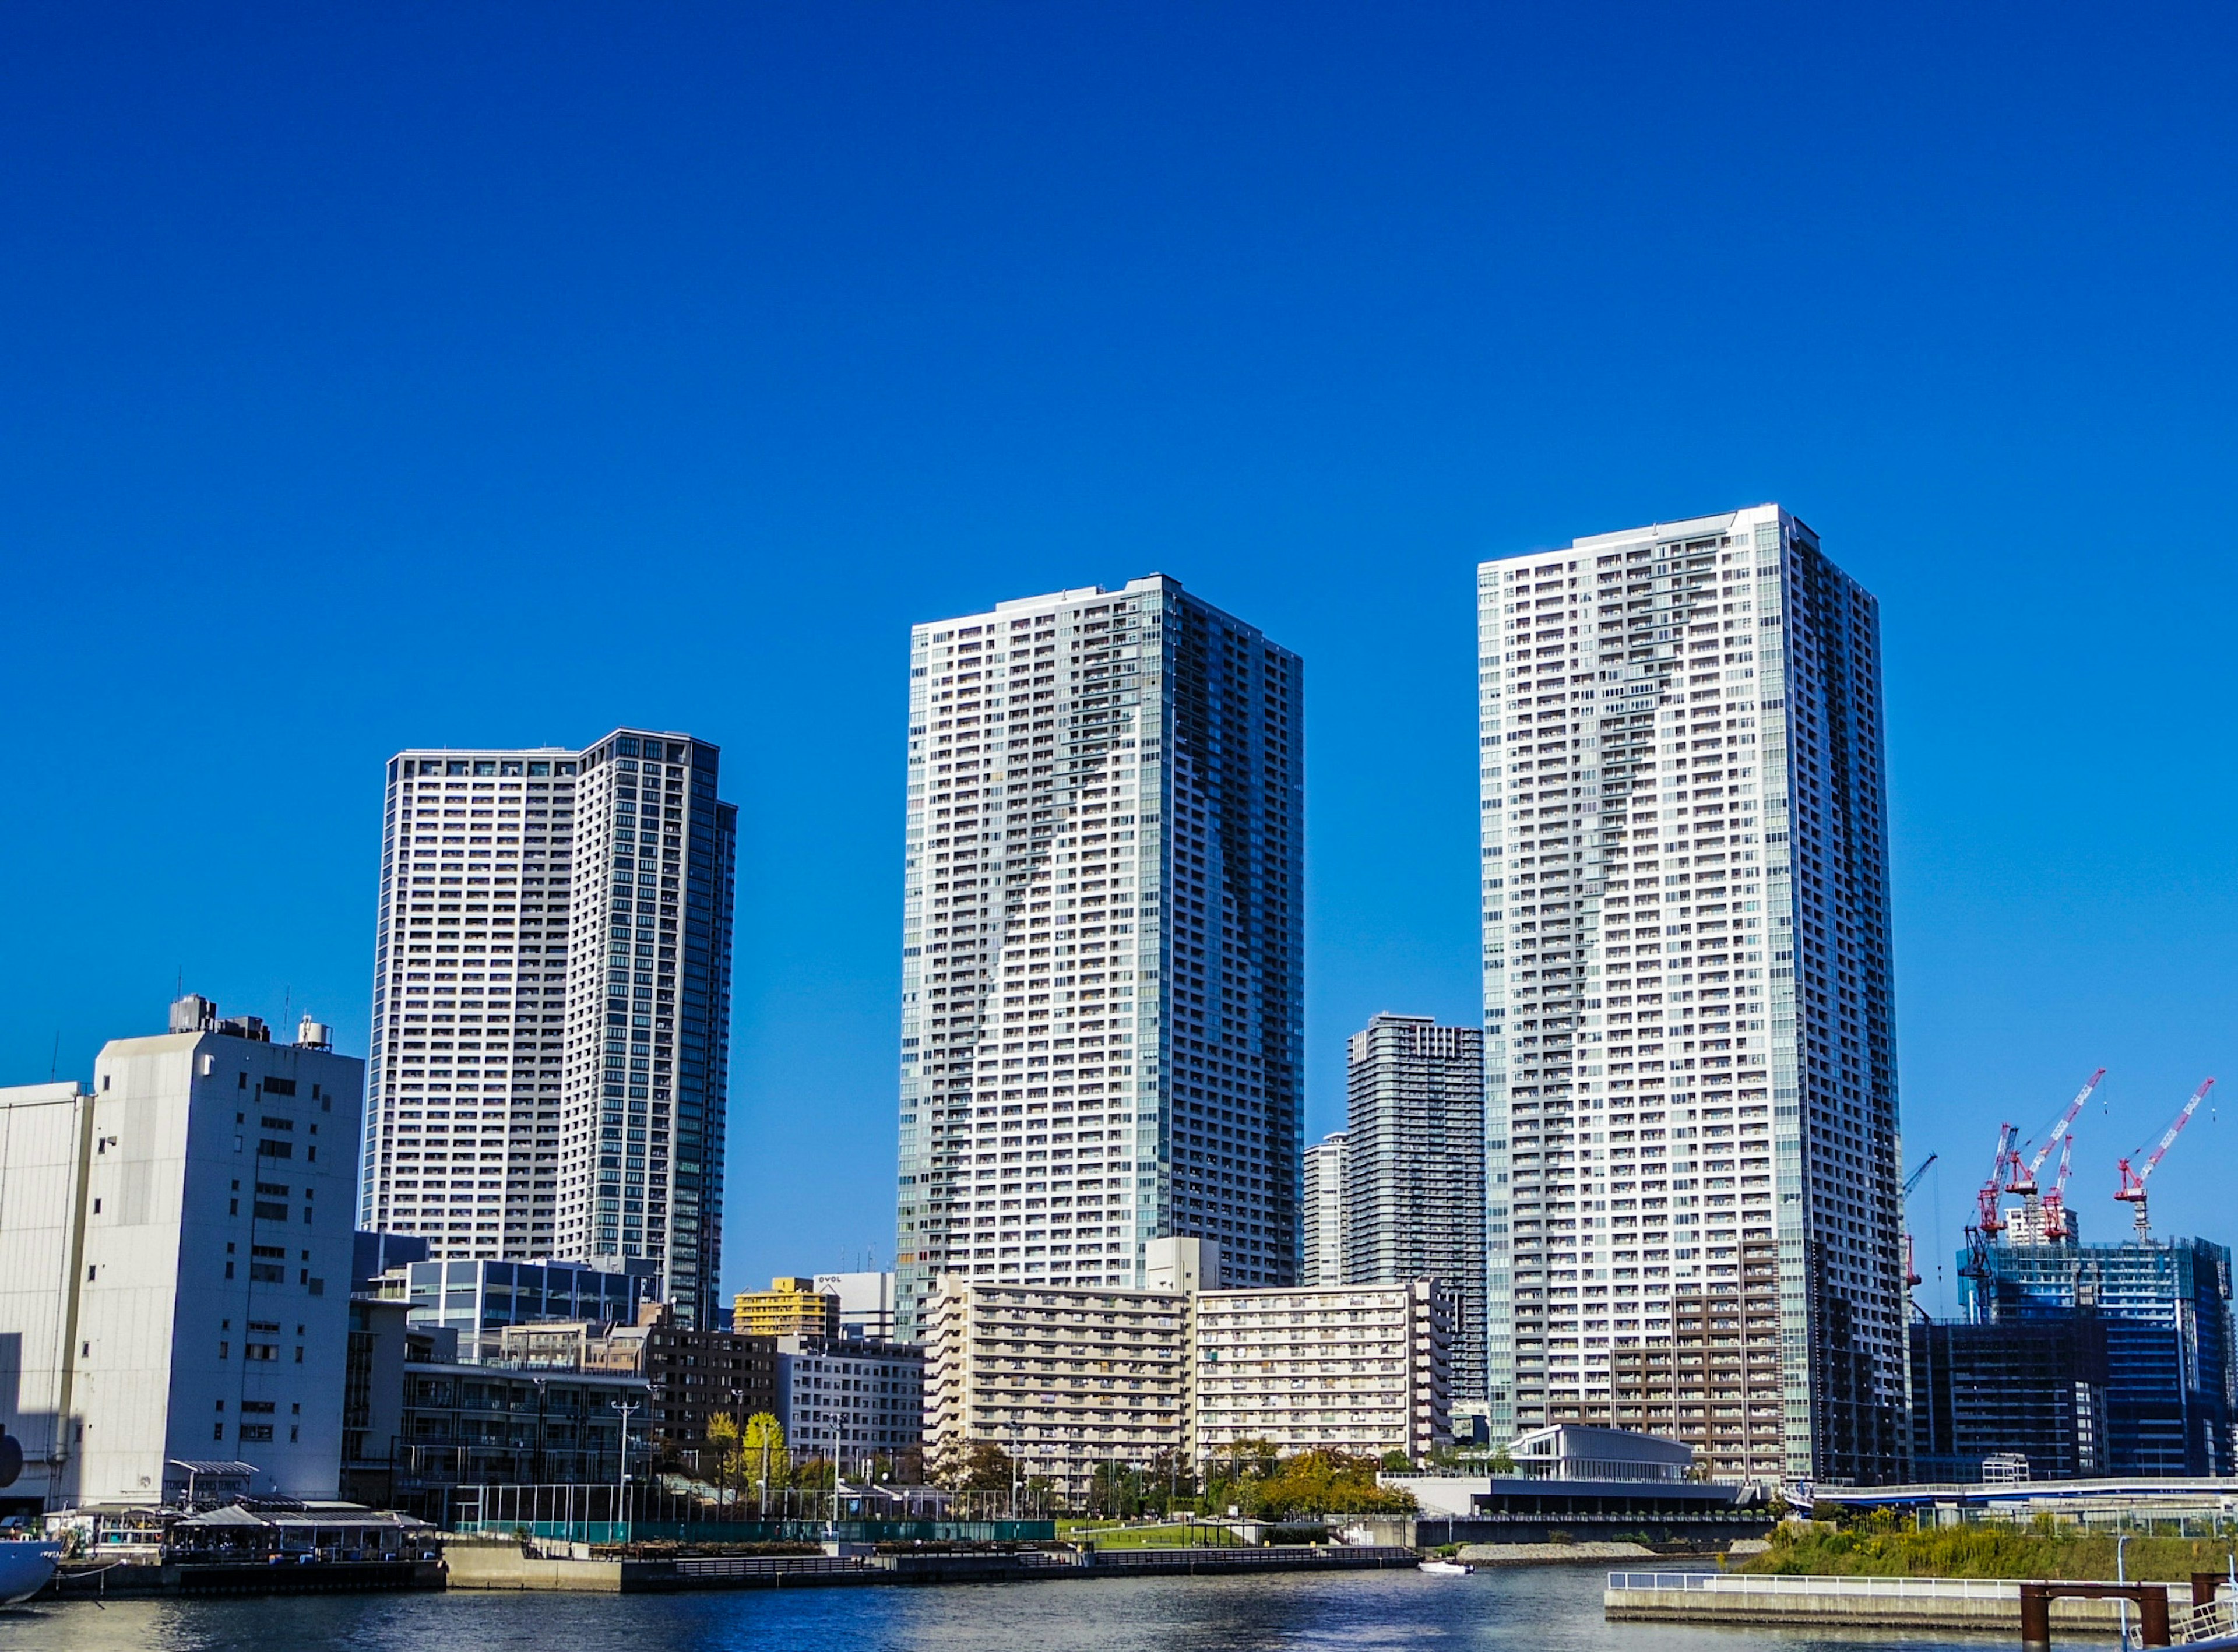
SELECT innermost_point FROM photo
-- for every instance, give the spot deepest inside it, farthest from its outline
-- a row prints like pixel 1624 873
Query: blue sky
pixel 500 374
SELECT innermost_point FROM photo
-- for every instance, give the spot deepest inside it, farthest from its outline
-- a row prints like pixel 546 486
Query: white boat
pixel 1447 1567
pixel 25 1565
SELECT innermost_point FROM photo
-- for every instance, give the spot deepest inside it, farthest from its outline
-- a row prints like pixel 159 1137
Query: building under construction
pixel 2163 1306
pixel 1982 1395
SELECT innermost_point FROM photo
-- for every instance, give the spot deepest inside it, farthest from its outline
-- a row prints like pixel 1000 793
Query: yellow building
pixel 790 1307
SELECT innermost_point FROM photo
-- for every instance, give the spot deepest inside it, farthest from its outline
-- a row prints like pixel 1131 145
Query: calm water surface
pixel 1556 1609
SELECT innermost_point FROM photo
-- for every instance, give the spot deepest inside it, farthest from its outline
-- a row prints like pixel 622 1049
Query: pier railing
pixel 1971 1589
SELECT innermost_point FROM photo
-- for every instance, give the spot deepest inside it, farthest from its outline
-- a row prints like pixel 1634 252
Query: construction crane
pixel 2132 1190
pixel 2058 1225
pixel 1910 1267
pixel 2025 1183
pixel 2034 1225
pixel 1989 1215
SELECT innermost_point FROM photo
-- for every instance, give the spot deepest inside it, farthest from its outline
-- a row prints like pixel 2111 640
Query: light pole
pixel 621 1481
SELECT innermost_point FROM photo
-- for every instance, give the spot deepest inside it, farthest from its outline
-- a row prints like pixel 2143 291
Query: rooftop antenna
pixel 55 1061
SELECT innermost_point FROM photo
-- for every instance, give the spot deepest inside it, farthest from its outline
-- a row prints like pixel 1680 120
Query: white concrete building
pixel 1103 986
pixel 1322 1253
pixel 1690 1065
pixel 855 1398
pixel 866 1303
pixel 1065 1381
pixel 1069 1382
pixel 175 1263
pixel 1361 1368
pixel 1413 1175
pixel 552 1007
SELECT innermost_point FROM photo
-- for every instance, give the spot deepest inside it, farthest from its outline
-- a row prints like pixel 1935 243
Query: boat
pixel 25 1565
pixel 1447 1567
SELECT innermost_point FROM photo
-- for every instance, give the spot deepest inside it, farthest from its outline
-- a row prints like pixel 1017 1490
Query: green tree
pixel 972 1465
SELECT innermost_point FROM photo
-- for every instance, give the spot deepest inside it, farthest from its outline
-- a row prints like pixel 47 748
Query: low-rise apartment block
pixel 1070 1381
pixel 1361 1368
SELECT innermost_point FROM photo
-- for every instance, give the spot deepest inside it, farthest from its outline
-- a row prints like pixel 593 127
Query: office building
pixel 1690 1047
pixel 866 1303
pixel 2164 1305
pixel 464 1425
pixel 479 1299
pixel 850 1397
pixel 1414 1178
pixel 551 981
pixel 1321 1255
pixel 1982 1395
pixel 790 1307
pixel 1358 1369
pixel 175 1263
pixel 1102 943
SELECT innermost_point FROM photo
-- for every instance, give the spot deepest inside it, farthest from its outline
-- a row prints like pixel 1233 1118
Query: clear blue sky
pixel 368 369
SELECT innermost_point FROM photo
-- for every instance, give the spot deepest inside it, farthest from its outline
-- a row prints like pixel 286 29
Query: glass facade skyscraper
pixel 1102 971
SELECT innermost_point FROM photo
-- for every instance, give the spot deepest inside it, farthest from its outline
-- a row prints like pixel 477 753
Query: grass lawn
pixel 2039 1550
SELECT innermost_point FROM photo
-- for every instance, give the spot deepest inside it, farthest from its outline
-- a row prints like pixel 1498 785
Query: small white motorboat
pixel 25 1565
pixel 1447 1567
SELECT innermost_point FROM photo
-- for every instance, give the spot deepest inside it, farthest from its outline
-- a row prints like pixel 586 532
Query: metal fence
pixel 1776 1583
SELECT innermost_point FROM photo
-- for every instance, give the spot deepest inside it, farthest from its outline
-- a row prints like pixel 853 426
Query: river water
pixel 1548 1608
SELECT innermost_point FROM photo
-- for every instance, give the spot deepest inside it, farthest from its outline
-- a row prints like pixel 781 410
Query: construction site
pixel 2074 1360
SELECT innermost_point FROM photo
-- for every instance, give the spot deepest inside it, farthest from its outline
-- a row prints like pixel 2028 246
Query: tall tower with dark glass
pixel 1103 964
pixel 552 1004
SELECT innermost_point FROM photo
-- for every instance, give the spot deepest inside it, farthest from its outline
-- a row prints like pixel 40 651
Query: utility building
pixel 174 1265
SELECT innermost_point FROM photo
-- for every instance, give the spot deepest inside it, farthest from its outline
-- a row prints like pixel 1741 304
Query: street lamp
pixel 621 1481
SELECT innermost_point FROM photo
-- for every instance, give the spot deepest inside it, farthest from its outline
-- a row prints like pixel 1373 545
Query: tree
pixel 972 1465
pixel 762 1457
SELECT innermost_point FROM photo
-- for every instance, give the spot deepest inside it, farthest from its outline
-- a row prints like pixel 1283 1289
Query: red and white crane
pixel 1989 1213
pixel 2034 1225
pixel 2057 1225
pixel 2132 1190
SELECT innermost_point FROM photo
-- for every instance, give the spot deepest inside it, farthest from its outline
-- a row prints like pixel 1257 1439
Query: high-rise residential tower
pixel 1102 973
pixel 551 998
pixel 1691 1061
pixel 1320 1257
pixel 1414 1171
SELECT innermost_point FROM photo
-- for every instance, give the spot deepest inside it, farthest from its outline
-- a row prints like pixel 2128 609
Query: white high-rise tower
pixel 1690 1108
pixel 1103 974
pixel 551 994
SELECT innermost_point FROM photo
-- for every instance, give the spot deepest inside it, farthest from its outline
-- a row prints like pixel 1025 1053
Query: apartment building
pixel 1690 1055
pixel 1066 1381
pixel 1413 1175
pixel 552 1006
pixel 1322 1252
pixel 850 1397
pixel 790 1307
pixel 1103 958
pixel 176 1248
pixel 1069 1382
pixel 1365 1369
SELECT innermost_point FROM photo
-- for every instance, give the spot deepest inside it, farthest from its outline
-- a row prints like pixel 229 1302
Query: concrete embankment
pixel 1552 1554
pixel 1988 1605
pixel 493 1563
